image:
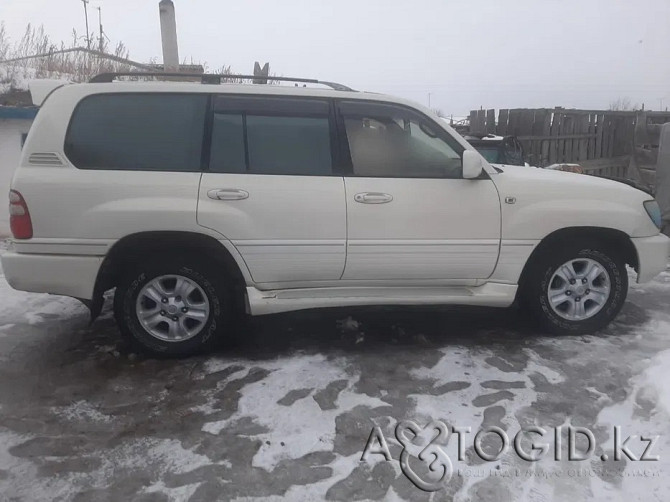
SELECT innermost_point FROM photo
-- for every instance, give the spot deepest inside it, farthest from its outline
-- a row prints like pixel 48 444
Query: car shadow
pixel 370 328
pixel 373 328
pixel 341 331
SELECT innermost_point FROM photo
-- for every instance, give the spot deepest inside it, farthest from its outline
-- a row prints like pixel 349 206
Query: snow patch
pixel 657 377
pixel 20 470
pixel 645 412
pixel 81 411
pixel 175 458
pixel 178 494
pixel 457 408
pixel 13 77
pixel 302 427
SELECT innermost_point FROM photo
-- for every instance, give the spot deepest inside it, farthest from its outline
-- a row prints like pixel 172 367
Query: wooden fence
pixel 559 135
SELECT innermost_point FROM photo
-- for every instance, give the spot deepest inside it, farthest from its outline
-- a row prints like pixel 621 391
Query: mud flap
pixel 94 306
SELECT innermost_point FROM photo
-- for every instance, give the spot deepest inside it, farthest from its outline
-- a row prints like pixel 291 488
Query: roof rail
pixel 213 78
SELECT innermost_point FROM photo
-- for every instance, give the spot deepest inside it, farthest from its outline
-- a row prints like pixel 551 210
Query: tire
pixel 583 310
pixel 181 326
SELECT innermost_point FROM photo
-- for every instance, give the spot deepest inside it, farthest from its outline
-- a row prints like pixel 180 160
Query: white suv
pixel 198 200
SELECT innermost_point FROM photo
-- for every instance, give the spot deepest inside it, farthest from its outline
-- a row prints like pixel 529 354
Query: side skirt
pixel 286 300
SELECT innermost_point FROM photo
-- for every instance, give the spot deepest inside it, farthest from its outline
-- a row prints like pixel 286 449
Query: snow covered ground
pixel 287 414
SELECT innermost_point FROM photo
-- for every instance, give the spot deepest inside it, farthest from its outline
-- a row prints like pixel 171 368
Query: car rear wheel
pixel 575 289
pixel 172 308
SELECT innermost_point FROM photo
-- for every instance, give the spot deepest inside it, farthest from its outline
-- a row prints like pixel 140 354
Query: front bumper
pixel 65 275
pixel 652 254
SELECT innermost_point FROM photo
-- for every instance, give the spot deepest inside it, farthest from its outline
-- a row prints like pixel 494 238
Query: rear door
pixel 411 215
pixel 271 187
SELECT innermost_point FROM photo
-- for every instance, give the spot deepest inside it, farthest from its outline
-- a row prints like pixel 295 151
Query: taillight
pixel 19 217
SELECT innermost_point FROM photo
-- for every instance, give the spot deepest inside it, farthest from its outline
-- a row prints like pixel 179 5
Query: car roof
pixel 86 89
pixel 66 97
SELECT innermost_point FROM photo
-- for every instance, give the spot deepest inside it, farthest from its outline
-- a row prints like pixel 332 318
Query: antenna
pixel 101 40
pixel 88 37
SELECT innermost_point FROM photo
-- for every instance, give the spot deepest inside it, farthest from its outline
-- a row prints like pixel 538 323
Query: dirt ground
pixel 288 412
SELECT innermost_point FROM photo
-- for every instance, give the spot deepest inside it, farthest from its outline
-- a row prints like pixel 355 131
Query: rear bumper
pixel 652 254
pixel 57 274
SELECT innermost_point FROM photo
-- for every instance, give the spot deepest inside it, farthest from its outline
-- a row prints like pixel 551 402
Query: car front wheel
pixel 576 289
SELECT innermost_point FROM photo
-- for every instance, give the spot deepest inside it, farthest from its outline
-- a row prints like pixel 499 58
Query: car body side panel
pixel 432 229
pixel 56 274
pixel 289 228
pixel 514 254
pixel 107 204
pixel 537 202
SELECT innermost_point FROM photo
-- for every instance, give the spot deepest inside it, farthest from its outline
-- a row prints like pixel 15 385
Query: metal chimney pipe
pixel 169 36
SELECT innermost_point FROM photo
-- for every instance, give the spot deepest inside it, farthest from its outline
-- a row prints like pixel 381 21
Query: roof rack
pixel 213 78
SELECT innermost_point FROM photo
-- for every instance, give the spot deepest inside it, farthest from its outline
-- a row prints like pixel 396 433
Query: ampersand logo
pixel 432 454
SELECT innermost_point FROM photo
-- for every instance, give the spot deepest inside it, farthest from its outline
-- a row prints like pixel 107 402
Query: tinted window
pixel 490 153
pixel 271 136
pixel 513 154
pixel 289 145
pixel 161 132
pixel 391 141
pixel 227 154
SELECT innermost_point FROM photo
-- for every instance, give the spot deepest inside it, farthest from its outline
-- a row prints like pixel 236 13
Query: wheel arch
pixel 134 247
pixel 612 239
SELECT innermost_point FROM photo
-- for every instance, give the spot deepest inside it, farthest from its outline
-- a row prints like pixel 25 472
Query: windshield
pixel 490 153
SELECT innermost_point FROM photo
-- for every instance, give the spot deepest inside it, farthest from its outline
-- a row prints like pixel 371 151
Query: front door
pixel 411 215
pixel 271 189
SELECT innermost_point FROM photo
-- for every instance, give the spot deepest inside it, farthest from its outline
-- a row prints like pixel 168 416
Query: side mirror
pixel 472 164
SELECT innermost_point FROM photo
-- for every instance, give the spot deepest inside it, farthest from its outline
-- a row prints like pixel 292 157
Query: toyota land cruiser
pixel 197 200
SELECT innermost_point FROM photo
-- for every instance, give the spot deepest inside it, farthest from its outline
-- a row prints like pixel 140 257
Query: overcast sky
pixel 466 54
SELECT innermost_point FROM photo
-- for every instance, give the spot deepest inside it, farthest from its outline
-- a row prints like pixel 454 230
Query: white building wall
pixel 11 131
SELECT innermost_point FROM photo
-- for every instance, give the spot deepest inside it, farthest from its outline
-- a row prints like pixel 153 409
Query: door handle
pixel 373 198
pixel 227 194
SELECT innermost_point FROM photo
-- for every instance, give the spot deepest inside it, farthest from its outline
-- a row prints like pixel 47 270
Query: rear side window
pixel 271 136
pixel 152 132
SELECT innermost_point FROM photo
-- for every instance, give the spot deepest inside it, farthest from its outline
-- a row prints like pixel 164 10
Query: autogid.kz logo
pixel 432 454
pixel 425 462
